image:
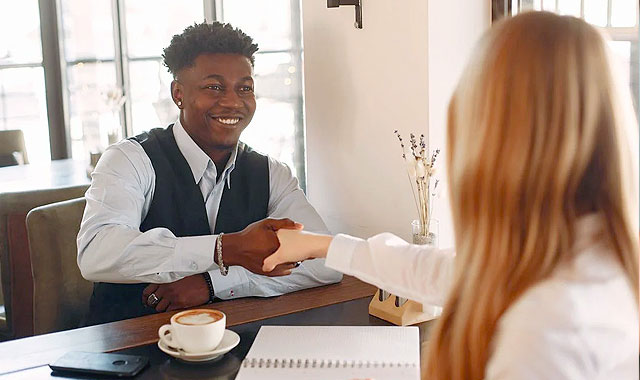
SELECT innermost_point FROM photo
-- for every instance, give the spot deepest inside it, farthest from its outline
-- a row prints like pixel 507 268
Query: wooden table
pixel 28 358
pixel 54 174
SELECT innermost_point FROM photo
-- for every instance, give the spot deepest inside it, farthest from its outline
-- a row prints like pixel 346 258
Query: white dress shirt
pixel 581 323
pixel 111 247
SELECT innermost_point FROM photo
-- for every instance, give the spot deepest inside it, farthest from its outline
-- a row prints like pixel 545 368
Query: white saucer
pixel 229 341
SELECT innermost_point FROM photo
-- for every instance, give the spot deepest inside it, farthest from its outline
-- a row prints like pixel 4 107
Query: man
pixel 178 216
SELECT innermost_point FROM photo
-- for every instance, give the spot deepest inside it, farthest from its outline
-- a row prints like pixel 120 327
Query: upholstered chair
pixel 15 261
pixel 12 148
pixel 60 293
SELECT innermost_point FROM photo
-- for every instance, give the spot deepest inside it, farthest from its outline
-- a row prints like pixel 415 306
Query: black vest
pixel 178 205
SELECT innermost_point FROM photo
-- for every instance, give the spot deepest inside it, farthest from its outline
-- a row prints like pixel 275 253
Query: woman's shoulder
pixel 582 293
pixel 583 319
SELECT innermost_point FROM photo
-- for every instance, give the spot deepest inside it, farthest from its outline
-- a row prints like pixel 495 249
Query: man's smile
pixel 226 121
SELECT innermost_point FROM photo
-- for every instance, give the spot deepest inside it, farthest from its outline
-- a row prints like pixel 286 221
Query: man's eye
pixel 246 88
pixel 215 87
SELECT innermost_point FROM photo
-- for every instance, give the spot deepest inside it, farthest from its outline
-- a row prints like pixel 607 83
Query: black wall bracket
pixel 358 5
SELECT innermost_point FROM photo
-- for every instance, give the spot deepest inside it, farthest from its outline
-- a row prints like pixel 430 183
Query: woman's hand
pixel 249 247
pixel 297 246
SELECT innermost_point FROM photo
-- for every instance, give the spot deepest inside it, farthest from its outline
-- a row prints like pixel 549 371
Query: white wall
pixel 454 28
pixel 396 73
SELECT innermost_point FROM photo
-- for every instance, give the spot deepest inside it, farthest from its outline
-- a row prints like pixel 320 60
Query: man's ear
pixel 177 93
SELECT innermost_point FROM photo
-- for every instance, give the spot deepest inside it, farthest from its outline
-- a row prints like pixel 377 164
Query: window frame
pixel 54 78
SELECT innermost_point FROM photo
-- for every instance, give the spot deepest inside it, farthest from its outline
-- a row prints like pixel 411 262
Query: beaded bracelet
pixel 207 279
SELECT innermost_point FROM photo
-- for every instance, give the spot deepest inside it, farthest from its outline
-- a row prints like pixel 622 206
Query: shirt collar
pixel 593 258
pixel 197 159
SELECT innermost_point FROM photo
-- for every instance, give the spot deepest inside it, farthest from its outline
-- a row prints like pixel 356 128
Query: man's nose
pixel 230 99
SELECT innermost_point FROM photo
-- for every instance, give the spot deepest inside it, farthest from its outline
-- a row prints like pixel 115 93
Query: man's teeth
pixel 228 121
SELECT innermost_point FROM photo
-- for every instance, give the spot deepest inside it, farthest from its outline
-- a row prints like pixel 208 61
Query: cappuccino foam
pixel 199 318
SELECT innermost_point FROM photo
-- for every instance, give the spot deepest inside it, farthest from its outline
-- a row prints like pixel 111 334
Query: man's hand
pixel 252 245
pixel 187 292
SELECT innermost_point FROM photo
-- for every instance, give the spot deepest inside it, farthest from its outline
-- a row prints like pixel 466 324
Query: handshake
pixel 272 247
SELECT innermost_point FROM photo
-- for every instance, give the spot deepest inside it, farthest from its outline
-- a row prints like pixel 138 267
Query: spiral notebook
pixel 333 352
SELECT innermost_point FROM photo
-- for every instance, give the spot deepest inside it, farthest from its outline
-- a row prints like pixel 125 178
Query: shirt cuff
pixel 195 253
pixel 229 286
pixel 340 252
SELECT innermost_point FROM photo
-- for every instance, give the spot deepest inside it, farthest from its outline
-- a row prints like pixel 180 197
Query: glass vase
pixel 425 235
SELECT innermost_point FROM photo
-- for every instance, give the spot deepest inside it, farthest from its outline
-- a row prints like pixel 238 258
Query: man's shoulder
pixel 246 149
pixel 129 148
pixel 280 176
pixel 274 164
pixel 249 157
pixel 152 134
pixel 124 162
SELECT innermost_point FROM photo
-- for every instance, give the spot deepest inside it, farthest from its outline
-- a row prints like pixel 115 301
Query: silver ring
pixel 297 264
pixel 152 300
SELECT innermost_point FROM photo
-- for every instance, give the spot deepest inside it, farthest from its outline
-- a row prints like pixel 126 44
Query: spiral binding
pixel 319 363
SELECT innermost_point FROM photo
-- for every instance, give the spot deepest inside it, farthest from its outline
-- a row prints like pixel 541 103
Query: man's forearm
pixel 243 283
pixel 120 254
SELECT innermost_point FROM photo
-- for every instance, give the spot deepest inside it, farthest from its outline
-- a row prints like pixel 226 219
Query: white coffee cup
pixel 197 330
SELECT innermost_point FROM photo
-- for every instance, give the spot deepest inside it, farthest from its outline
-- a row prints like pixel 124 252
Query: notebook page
pixel 334 352
pixel 389 344
pixel 408 373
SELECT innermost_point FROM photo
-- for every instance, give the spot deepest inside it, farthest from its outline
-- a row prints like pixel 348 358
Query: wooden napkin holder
pixel 410 313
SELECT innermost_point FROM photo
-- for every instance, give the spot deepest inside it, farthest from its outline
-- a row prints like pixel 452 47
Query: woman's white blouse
pixel 581 323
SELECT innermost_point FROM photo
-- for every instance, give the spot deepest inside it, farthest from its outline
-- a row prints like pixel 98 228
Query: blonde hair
pixel 539 133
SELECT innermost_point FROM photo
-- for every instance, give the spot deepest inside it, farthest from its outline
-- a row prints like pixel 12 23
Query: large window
pixel 617 18
pixel 149 81
pixel 278 122
pixel 89 65
pixel 111 81
pixel 22 88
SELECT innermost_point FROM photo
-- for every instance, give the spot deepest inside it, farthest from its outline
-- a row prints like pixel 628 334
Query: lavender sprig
pixel 414 144
pixel 434 156
pixel 401 143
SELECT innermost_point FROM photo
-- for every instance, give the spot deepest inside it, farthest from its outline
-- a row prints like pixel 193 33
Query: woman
pixel 545 208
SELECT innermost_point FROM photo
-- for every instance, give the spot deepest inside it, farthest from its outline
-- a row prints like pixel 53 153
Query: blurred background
pixel 77 75
pixel 618 19
pixel 98 63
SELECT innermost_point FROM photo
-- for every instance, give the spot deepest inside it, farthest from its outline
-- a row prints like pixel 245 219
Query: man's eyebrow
pixel 221 78
pixel 214 76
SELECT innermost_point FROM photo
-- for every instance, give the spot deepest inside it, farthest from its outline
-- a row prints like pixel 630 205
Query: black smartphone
pixel 98 363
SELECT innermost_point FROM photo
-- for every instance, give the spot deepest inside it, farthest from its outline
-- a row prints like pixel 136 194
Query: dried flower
pixel 420 171
pixel 411 167
pixel 114 98
pixel 401 143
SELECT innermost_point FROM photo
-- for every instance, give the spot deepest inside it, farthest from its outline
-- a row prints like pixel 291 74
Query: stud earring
pixel 179 103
